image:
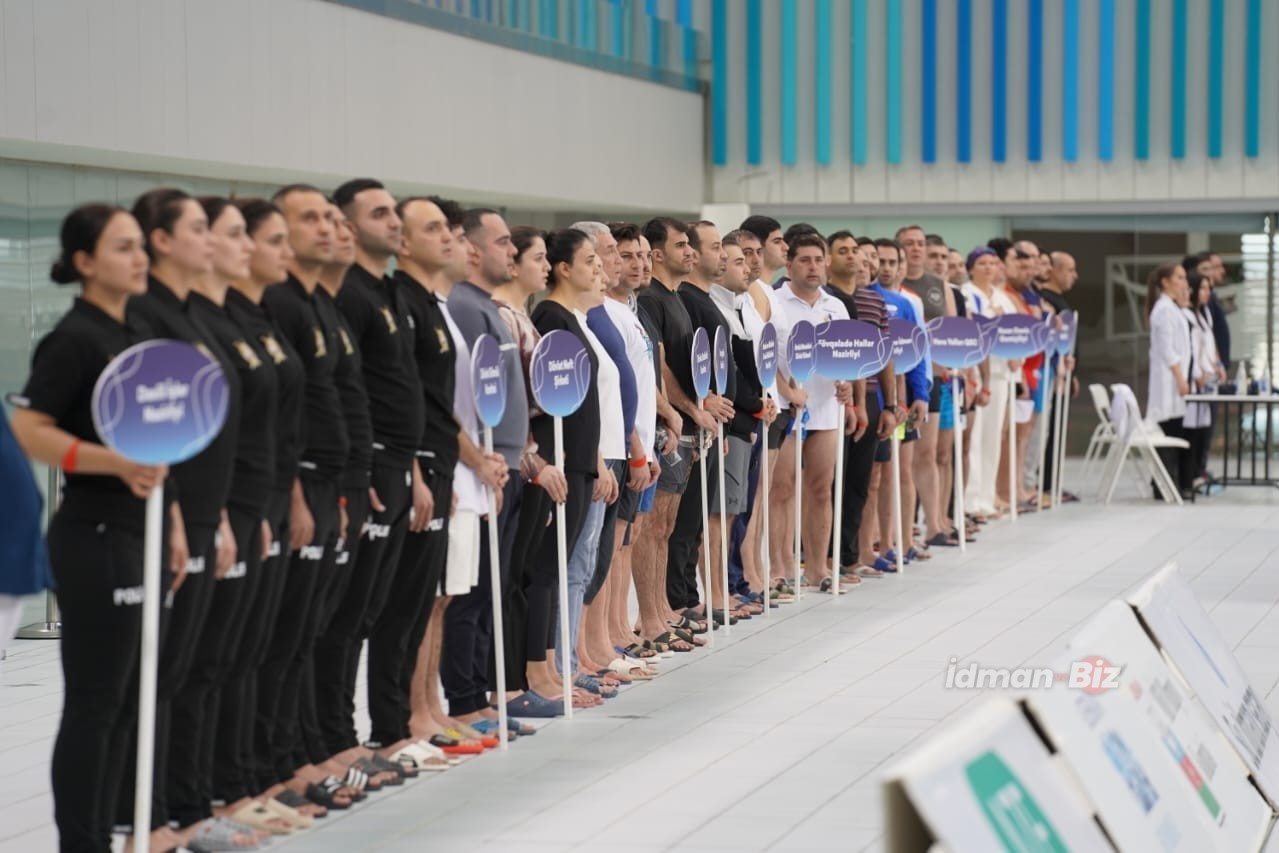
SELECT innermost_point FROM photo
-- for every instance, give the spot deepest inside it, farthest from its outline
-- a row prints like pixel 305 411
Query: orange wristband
pixel 642 462
pixel 69 460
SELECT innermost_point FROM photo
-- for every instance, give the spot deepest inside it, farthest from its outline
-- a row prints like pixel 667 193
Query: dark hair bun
pixel 63 272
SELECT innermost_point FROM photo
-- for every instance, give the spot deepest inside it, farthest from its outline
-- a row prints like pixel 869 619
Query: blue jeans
pixel 581 568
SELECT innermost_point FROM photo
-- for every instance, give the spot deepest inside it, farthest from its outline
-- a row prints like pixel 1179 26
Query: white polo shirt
pixel 789 309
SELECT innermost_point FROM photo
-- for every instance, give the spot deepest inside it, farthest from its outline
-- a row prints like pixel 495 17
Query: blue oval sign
pixel 766 355
pixel 909 343
pixel 1069 332
pixel 987 326
pixel 160 402
pixel 801 351
pixel 850 349
pixel 560 373
pixel 955 342
pixel 487 380
pixel 1019 336
pixel 721 360
pixel 700 355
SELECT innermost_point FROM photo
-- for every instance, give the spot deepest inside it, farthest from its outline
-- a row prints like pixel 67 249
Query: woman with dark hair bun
pixel 96 537
pixel 176 230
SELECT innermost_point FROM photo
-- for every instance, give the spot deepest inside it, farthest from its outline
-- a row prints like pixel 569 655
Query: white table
pixel 1223 403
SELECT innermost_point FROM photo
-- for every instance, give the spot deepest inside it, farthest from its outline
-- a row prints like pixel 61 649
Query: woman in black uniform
pixel 95 539
pixel 572 259
pixel 178 243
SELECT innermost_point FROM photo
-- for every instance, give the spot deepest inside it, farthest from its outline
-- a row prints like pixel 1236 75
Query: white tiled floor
pixel 776 740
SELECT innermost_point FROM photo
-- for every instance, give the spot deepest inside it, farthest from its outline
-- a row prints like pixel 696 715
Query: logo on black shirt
pixel 247 355
pixel 390 320
pixel 320 349
pixel 346 342
pixel 273 349
pixel 444 339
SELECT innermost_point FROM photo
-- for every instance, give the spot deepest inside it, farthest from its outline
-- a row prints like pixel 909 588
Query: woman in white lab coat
pixel 1167 294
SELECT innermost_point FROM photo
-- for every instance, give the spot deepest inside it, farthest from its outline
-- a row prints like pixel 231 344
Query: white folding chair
pixel 1143 439
pixel 1104 436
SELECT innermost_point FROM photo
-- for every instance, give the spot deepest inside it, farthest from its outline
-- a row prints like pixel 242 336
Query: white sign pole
pixel 839 501
pixel 961 521
pixel 1013 489
pixel 561 541
pixel 766 558
pixel 1059 472
pixel 799 498
pixel 723 524
pixel 147 667
pixel 495 575
pixel 897 504
pixel 1045 418
pixel 706 533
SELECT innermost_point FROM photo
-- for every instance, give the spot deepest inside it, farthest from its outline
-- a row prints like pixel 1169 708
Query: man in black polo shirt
pixel 673 258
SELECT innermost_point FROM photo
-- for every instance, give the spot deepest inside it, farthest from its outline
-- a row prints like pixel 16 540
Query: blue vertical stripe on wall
pixel 789 80
pixel 1252 81
pixel 656 42
pixel 964 81
pixel 619 14
pixel 689 36
pixel 1141 84
pixel 684 13
pixel 719 82
pixel 754 119
pixel 1105 80
pixel 998 80
pixel 1070 80
pixel 1034 80
pixel 893 81
pixel 1216 74
pixel 1177 123
pixel 857 82
pixel 928 88
pixel 821 83
pixel 548 19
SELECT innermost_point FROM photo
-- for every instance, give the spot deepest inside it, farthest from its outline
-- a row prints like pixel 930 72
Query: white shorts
pixel 462 569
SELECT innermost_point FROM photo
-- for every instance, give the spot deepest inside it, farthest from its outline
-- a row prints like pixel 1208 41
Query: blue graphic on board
pixel 160 402
pixel 956 342
pixel 801 351
pixel 851 349
pixel 909 343
pixel 721 359
pixel 488 380
pixel 1068 333
pixel 766 355
pixel 987 326
pixel 701 361
pixel 1019 336
pixel 560 373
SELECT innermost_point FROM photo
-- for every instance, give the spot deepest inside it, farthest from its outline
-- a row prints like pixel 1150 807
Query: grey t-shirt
pixel 476 314
pixel 931 290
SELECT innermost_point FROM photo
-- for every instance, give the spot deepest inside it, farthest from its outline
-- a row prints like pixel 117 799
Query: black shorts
pixel 628 502
pixel 934 396
pixel 777 432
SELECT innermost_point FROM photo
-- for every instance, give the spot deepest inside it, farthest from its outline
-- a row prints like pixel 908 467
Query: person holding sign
pixel 571 281
pixel 96 536
pixel 803 298
pixel 985 300
pixel 178 242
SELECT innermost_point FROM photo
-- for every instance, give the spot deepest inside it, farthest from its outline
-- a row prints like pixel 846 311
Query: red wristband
pixel 342 500
pixel 69 460
pixel 642 462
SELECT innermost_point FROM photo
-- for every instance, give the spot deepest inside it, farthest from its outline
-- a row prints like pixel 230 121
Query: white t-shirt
pixel 789 309
pixel 471 495
pixel 639 349
pixel 609 381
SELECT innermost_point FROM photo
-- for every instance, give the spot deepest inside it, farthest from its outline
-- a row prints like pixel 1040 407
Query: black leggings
pixel 337 653
pixel 397 636
pixel 98 570
pixel 859 458
pixel 233 740
pixel 195 708
pixel 686 538
pixel 543 576
pixel 535 512
pixel 1179 462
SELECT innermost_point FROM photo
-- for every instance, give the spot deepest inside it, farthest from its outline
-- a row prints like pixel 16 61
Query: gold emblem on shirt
pixel 390 320
pixel 247 354
pixel 320 349
pixel 346 342
pixel 444 339
pixel 204 351
pixel 273 348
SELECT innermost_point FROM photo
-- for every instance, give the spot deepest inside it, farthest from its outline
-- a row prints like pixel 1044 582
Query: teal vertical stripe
pixel 617 18
pixel 548 19
pixel 999 80
pixel 1105 80
pixel 684 13
pixel 964 81
pixel 928 87
pixel 893 81
pixel 719 82
pixel 1070 80
pixel 689 36
pixel 1252 82
pixel 1034 80
pixel 1141 85
pixel 1216 74
pixel 821 84
pixel 1177 129
pixel 656 43
pixel 857 82
pixel 754 114
pixel 789 80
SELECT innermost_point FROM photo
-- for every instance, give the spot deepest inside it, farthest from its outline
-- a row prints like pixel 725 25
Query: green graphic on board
pixel 1012 812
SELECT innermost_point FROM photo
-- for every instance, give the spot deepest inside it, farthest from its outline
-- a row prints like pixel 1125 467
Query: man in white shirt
pixel 803 298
